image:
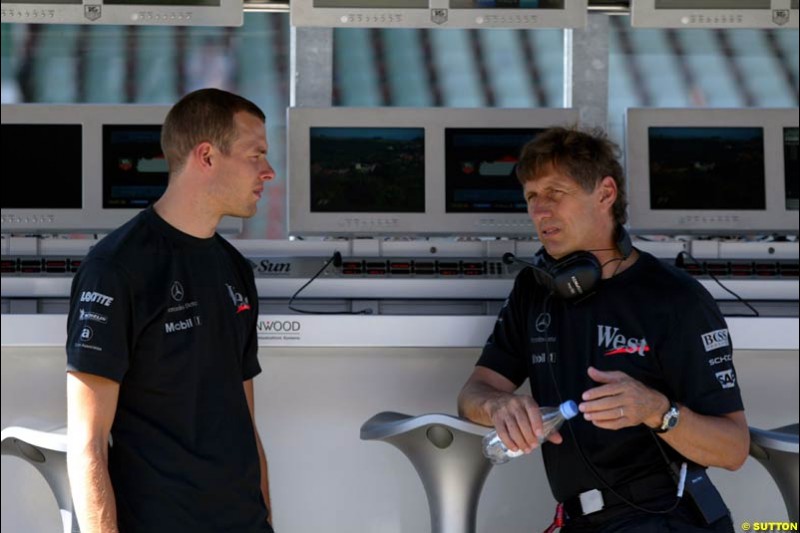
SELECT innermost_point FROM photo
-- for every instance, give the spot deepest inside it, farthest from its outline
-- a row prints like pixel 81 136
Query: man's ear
pixel 203 155
pixel 608 191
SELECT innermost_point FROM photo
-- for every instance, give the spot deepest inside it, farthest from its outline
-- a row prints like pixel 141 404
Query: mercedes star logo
pixel 177 291
pixel 542 322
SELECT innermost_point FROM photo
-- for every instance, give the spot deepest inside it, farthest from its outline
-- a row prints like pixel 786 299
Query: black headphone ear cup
pixel 576 274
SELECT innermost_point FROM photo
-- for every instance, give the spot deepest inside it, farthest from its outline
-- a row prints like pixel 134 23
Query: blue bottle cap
pixel 569 409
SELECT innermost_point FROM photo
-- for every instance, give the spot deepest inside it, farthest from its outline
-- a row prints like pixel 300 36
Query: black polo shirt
pixel 651 321
pixel 172 318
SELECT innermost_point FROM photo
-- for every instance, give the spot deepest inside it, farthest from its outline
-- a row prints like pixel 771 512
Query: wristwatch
pixel 670 418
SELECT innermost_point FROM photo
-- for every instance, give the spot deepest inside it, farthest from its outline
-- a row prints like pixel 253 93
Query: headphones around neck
pixel 575 274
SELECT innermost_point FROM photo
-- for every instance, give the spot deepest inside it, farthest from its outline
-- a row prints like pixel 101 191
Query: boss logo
pixel 715 339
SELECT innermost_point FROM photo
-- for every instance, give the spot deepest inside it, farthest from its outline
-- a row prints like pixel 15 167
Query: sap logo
pixel 96 297
pixel 182 325
pixel 726 379
pixel 278 326
pixel 715 339
pixel 616 343
pixel 714 361
pixel 265 266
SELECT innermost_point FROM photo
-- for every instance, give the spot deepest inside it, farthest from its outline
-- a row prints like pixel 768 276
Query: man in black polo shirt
pixel 162 347
pixel 644 351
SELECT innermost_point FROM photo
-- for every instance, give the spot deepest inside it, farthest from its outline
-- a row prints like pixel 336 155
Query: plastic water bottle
pixel 552 418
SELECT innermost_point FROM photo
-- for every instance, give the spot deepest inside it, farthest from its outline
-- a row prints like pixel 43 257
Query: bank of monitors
pixel 439 13
pixel 139 12
pixel 410 171
pixel 712 171
pixel 714 13
pixel 82 168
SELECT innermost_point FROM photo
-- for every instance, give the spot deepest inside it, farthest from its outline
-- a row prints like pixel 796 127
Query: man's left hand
pixel 621 401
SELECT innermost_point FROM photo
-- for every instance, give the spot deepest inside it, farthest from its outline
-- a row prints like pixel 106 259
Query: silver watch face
pixel 670 419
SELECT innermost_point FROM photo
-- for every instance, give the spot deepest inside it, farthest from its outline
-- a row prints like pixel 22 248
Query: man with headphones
pixel 640 345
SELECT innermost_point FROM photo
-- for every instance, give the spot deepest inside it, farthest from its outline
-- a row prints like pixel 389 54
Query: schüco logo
pixel 278 326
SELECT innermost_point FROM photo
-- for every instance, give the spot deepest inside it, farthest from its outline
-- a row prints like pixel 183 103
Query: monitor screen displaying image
pixel 790 168
pixel 135 172
pixel 43 165
pixel 711 171
pixel 82 168
pixel 480 169
pixel 410 171
pixel 707 168
pixel 359 170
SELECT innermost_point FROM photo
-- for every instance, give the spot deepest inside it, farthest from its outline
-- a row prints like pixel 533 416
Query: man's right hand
pixel 518 421
pixel 488 398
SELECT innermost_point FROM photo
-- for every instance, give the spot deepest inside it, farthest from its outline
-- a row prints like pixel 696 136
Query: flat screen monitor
pixel 410 171
pixel 129 12
pixel 714 13
pixel 790 177
pixel 710 171
pixel 48 174
pixel 439 13
pixel 135 172
pixel 102 165
pixel 480 169
pixel 360 170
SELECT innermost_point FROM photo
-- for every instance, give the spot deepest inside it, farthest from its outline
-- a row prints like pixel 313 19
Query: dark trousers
pixel 683 519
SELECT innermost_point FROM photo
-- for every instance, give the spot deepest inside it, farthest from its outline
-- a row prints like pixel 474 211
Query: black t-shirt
pixel 653 322
pixel 172 318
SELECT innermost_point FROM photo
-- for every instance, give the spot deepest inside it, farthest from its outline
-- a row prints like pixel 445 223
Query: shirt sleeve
pixel 100 320
pixel 504 351
pixel 250 364
pixel 697 357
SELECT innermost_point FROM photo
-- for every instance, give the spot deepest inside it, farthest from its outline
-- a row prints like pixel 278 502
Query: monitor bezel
pixel 775 218
pixel 435 221
pixel 227 13
pixel 786 121
pixel 438 14
pixel 644 14
pixel 92 217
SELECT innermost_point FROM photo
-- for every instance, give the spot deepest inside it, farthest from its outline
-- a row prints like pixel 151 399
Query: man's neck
pixel 187 213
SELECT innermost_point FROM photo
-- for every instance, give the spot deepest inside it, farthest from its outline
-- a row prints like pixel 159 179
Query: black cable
pixel 336 259
pixel 679 262
pixel 589 466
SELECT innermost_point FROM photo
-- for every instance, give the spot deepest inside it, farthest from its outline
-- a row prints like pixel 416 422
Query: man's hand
pixel 621 401
pixel 518 422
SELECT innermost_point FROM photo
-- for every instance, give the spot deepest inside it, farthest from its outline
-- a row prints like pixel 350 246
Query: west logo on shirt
pixel 615 343
pixel 240 301
pixel 715 339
